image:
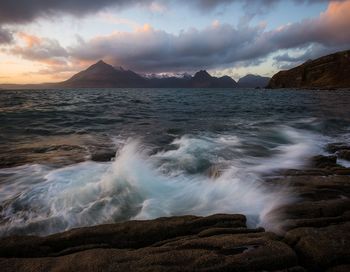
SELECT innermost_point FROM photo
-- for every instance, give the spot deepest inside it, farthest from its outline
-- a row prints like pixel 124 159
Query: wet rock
pixel 324 161
pixel 323 208
pixel 314 237
pixel 239 252
pixel 344 154
pixel 187 243
pixel 320 248
pixel 305 172
pixel 342 171
pixel 316 188
pixel 334 147
pixel 103 156
pixel 131 234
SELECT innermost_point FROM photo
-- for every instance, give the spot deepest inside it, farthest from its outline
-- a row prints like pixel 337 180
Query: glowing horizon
pixel 43 42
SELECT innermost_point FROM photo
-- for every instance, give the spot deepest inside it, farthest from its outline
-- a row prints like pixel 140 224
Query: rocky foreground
pixel 315 235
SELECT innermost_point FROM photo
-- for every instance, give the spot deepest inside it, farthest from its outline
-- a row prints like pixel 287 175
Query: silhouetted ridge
pixel 253 81
pixel 331 71
pixel 103 75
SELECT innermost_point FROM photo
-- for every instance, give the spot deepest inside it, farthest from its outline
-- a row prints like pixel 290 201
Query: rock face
pixel 253 81
pixel 331 71
pixel 103 75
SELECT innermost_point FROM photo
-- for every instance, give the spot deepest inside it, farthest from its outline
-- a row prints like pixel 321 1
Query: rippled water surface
pixel 174 152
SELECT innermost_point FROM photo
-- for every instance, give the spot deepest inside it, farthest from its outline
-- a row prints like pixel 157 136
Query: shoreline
pixel 315 235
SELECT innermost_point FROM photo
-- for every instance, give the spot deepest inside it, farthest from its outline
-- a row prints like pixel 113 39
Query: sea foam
pixel 142 185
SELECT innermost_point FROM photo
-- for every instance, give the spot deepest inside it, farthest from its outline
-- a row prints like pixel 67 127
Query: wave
pixel 199 175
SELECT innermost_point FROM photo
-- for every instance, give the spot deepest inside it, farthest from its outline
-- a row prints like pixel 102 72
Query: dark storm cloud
pixel 154 50
pixel 5 36
pixel 15 12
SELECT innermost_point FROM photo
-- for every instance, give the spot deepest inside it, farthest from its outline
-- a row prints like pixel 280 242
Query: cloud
pixel 13 12
pixel 286 60
pixel 148 49
pixel 331 28
pixel 250 6
pixel 47 51
pixel 219 45
pixel 5 36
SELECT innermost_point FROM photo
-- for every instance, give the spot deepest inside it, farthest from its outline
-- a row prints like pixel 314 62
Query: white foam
pixel 142 186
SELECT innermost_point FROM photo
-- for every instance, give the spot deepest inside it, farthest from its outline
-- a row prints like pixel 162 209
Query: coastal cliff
pixel 331 71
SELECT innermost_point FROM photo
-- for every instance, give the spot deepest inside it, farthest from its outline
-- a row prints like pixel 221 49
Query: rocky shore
pixel 315 235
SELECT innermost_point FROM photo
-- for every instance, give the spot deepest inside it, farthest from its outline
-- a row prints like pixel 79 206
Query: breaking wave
pixel 197 175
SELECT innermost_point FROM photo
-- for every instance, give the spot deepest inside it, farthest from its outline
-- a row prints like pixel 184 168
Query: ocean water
pixel 176 152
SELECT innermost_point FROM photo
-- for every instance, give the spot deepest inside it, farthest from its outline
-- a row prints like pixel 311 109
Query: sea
pixel 83 157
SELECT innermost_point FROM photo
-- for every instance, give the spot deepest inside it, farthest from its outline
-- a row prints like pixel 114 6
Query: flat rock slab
pixel 320 248
pixel 214 243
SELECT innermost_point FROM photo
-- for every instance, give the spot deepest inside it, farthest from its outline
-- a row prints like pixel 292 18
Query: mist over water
pixel 177 152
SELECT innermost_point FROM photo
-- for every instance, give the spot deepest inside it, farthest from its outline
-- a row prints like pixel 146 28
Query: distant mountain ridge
pixel 327 72
pixel 103 75
pixel 331 71
pixel 253 81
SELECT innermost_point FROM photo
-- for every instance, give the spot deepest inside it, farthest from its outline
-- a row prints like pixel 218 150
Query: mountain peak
pixel 101 67
pixel 102 74
pixel 253 81
pixel 202 74
pixel 100 62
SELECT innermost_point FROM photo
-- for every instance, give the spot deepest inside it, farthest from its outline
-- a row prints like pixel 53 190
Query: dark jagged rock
pixel 253 81
pixel 328 72
pixel 103 156
pixel 324 161
pixel 334 147
pixel 344 154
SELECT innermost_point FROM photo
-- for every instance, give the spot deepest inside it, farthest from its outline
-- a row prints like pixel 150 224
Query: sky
pixel 49 41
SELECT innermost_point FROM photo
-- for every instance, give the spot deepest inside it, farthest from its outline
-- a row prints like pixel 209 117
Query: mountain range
pixel 103 75
pixel 327 72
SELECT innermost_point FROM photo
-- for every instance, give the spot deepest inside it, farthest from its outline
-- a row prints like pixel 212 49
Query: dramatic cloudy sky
pixel 45 41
